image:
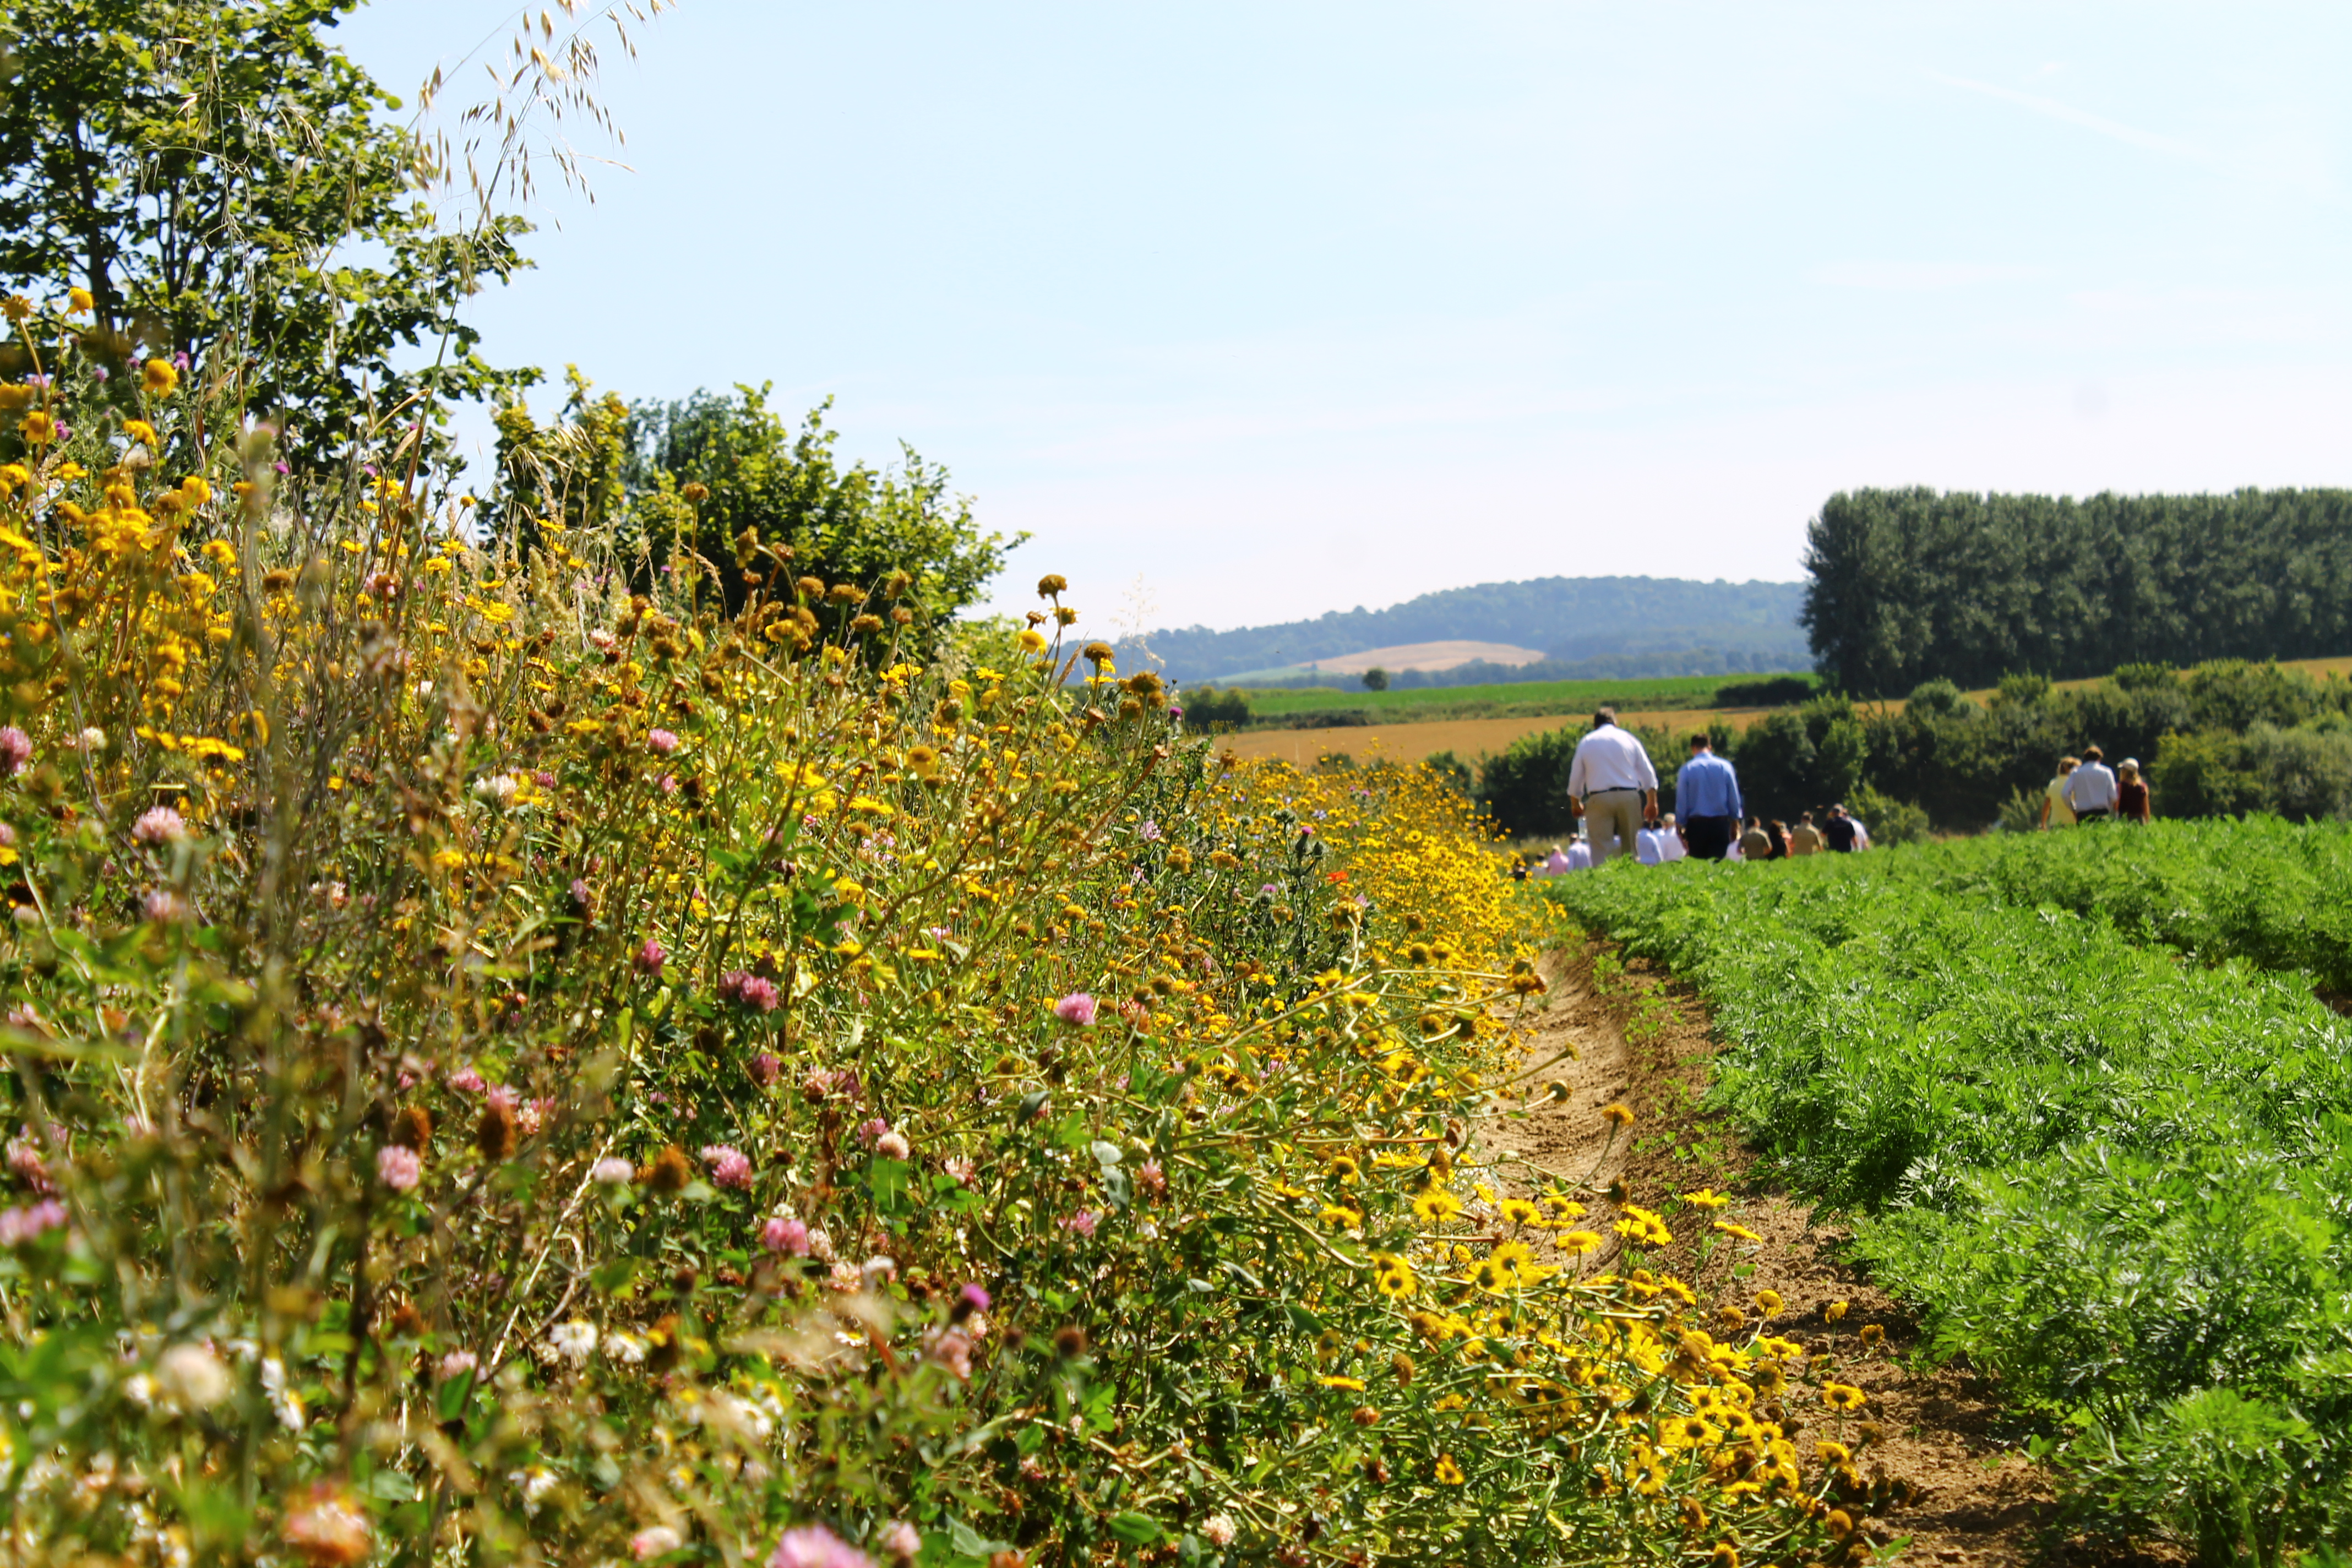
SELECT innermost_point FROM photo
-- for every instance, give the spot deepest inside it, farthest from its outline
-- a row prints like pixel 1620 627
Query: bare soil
pixel 1644 1043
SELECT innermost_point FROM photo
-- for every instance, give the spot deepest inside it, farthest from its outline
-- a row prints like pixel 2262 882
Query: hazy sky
pixel 1282 308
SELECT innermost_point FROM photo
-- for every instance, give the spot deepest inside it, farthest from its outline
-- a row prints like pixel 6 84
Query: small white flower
pixel 626 1349
pixel 574 1342
pixel 192 1377
pixel 1219 1529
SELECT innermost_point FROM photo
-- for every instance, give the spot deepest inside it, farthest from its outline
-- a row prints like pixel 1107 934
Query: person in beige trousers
pixel 1613 786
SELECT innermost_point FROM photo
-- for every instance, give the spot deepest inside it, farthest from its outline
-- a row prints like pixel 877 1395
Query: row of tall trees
pixel 1910 586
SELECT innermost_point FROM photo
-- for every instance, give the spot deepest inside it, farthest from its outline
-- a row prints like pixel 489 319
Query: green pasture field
pixel 2071 1115
pixel 1502 700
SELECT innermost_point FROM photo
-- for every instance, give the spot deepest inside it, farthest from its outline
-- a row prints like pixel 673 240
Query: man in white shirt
pixel 2091 788
pixel 1580 856
pixel 1613 786
pixel 1671 839
pixel 1649 846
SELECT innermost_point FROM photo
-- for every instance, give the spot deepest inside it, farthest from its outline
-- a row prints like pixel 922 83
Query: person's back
pixel 1670 839
pixel 1554 863
pixel 1614 786
pixel 1838 831
pixel 1647 847
pixel 1755 844
pixel 1805 838
pixel 1706 794
pixel 2055 811
pixel 2131 792
pixel 1579 856
pixel 2091 788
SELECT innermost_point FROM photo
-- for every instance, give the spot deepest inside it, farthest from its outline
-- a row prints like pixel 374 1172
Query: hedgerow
pixel 517 1055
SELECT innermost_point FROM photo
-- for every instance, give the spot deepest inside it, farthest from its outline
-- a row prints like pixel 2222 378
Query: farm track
pixel 1981 1503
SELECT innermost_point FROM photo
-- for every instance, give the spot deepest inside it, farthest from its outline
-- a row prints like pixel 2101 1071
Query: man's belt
pixel 1617 789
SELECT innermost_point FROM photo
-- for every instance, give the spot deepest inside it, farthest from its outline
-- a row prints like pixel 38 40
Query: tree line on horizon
pixel 1909 585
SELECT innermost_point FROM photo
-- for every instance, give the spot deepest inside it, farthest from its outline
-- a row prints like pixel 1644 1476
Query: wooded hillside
pixel 1679 626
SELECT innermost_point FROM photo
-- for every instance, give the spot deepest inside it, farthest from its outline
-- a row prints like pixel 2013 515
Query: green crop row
pixel 2276 893
pixel 2119 1180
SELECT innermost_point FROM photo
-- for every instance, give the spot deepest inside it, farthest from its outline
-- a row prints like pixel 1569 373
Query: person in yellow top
pixel 2055 811
pixel 1805 838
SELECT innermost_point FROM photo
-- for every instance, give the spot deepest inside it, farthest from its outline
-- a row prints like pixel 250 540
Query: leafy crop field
pixel 2117 1178
pixel 2276 894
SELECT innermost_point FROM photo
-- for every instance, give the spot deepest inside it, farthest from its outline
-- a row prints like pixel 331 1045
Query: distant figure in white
pixel 1613 786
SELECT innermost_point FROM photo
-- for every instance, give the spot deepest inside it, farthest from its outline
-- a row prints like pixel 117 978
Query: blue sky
pixel 1250 311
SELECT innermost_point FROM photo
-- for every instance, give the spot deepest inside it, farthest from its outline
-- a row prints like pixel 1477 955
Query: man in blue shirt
pixel 1706 799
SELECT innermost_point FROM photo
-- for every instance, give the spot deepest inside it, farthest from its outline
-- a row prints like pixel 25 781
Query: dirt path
pixel 1644 1043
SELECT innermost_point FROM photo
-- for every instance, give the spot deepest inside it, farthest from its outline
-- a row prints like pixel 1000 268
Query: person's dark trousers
pixel 1710 837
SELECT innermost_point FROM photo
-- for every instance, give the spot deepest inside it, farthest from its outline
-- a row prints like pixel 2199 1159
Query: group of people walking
pixel 1612 788
pixel 2088 790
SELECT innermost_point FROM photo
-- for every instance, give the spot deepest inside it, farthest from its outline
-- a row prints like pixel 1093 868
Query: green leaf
pixel 971 1543
pixel 1135 1528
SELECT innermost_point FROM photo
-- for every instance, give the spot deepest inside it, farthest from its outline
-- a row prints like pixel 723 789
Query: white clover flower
pixel 574 1342
pixel 624 1348
pixel 191 1377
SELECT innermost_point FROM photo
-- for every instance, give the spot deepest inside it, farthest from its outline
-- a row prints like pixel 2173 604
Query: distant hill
pixel 1616 627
